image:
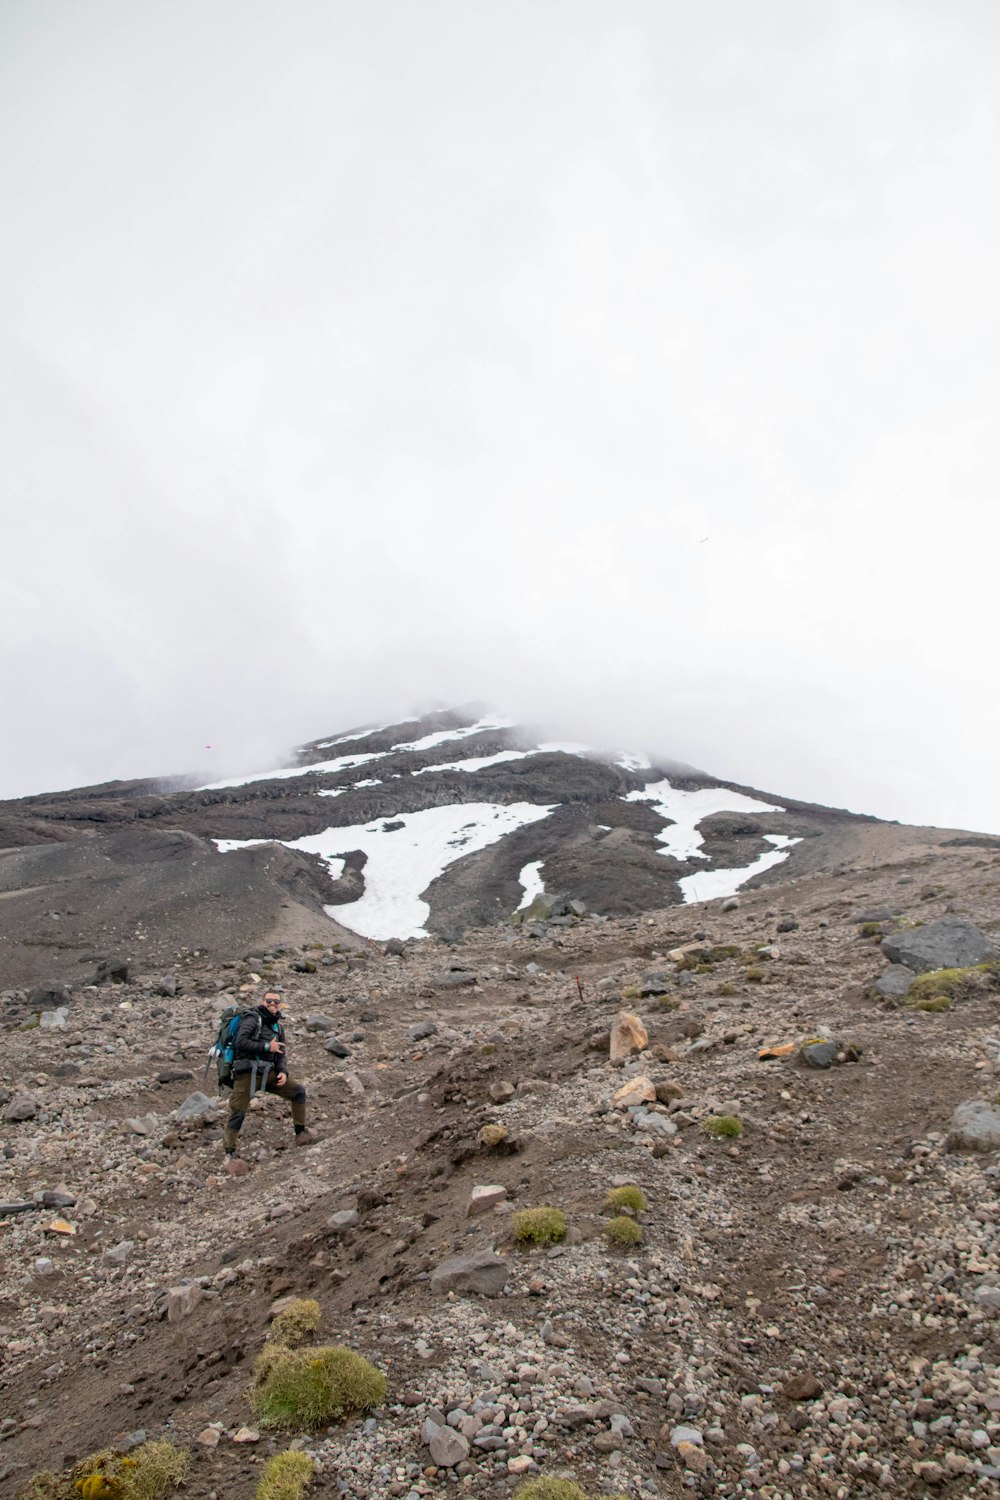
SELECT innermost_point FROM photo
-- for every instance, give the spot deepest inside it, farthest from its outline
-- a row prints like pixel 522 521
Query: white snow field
pixel 531 879
pixel 442 736
pixel 404 861
pixel 342 763
pixel 682 839
pixel 714 885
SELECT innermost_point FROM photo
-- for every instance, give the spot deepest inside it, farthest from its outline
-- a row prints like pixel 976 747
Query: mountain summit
pixel 437 825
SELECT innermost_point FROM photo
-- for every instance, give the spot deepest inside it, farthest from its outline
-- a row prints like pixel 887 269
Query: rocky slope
pixel 426 826
pixel 814 1306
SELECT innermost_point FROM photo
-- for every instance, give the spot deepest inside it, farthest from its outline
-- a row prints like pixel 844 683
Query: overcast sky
pixel 629 366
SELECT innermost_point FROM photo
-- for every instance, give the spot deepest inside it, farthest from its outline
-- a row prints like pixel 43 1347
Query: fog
pixel 630 367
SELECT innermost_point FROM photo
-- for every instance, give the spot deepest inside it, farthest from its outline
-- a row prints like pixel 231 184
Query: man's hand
pixel 274 1045
pixel 282 1079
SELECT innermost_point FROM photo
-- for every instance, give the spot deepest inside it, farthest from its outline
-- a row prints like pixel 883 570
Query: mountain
pixel 440 825
pixel 666 1198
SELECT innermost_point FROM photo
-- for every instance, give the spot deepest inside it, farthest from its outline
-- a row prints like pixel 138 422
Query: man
pixel 259 1065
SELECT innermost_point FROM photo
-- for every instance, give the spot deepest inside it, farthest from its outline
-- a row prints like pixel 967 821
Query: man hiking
pixel 259 1066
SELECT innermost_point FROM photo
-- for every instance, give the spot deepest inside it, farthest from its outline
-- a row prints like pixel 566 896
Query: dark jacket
pixel 252 1044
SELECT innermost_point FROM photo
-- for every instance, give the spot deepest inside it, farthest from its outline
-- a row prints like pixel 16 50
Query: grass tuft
pixel 722 1127
pixel 305 1389
pixel 295 1324
pixel 623 1231
pixel 539 1226
pixel 285 1477
pixel 149 1472
pixel 492 1136
pixel 631 1197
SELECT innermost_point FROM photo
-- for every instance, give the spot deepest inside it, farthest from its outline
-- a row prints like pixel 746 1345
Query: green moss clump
pixel 754 976
pixel 623 1231
pixel 935 1004
pixel 870 929
pixel 295 1323
pixel 550 1489
pixel 722 1127
pixel 147 1473
pixel 539 1226
pixel 631 992
pixel 305 1389
pixel 492 1136
pixel 951 984
pixel 285 1477
pixel 631 1197
pixel 726 990
pixel 668 1002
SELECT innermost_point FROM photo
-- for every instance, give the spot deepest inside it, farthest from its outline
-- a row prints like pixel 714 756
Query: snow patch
pixel 403 862
pixel 712 885
pixel 325 767
pixel 686 810
pixel 477 763
pixel 531 879
pixel 442 736
pixel 347 739
pixel 634 761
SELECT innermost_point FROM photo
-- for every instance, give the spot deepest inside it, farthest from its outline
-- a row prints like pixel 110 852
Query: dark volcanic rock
pixel 49 997
pixel 951 943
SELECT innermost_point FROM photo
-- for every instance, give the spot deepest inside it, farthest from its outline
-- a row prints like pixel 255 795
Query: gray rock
pixel 198 1106
pixel 655 1124
pixel 52 1018
pixel 118 1254
pixel 48 997
pixel 894 982
pixel 166 984
pixel 339 1223
pixel 21 1107
pixel 478 1271
pixel 174 1075
pixel 819 1054
pixel 421 1031
pixel 394 948
pixel 335 1047
pixel 975 1126
pixel 685 1434
pixel 448 1447
pixel 454 980
pixel 787 924
pixel 320 1022
pixel 501 1091
pixel 731 903
pixel 951 943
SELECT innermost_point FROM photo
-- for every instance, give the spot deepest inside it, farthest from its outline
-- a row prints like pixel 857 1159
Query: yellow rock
pixel 60 1226
pixel 637 1091
pixel 628 1035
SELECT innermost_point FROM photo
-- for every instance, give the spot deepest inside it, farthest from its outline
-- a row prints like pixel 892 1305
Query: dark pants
pixel 239 1102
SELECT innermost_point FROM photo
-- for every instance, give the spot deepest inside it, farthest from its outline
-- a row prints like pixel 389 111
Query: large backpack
pixel 223 1049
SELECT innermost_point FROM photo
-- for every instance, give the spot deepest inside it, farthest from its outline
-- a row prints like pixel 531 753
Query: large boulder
pixel 975 1126
pixel 478 1271
pixel 951 943
pixel 894 982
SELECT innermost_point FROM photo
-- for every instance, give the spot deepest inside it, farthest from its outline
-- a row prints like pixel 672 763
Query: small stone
pixel 182 1301
pixel 478 1271
pixel 235 1166
pixel 208 1437
pixel 448 1447
pixel 339 1223
pixel 483 1198
pixel 21 1107
pixel 804 1387
pixel 198 1106
pixel 636 1091
pixel 519 1464
pixel 501 1091
pixel 818 1054
pixel 421 1031
pixel 693 1458
pixel 246 1435
pixel 628 1035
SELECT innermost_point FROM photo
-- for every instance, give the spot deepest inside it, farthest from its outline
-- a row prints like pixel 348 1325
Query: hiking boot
pixel 305 1137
